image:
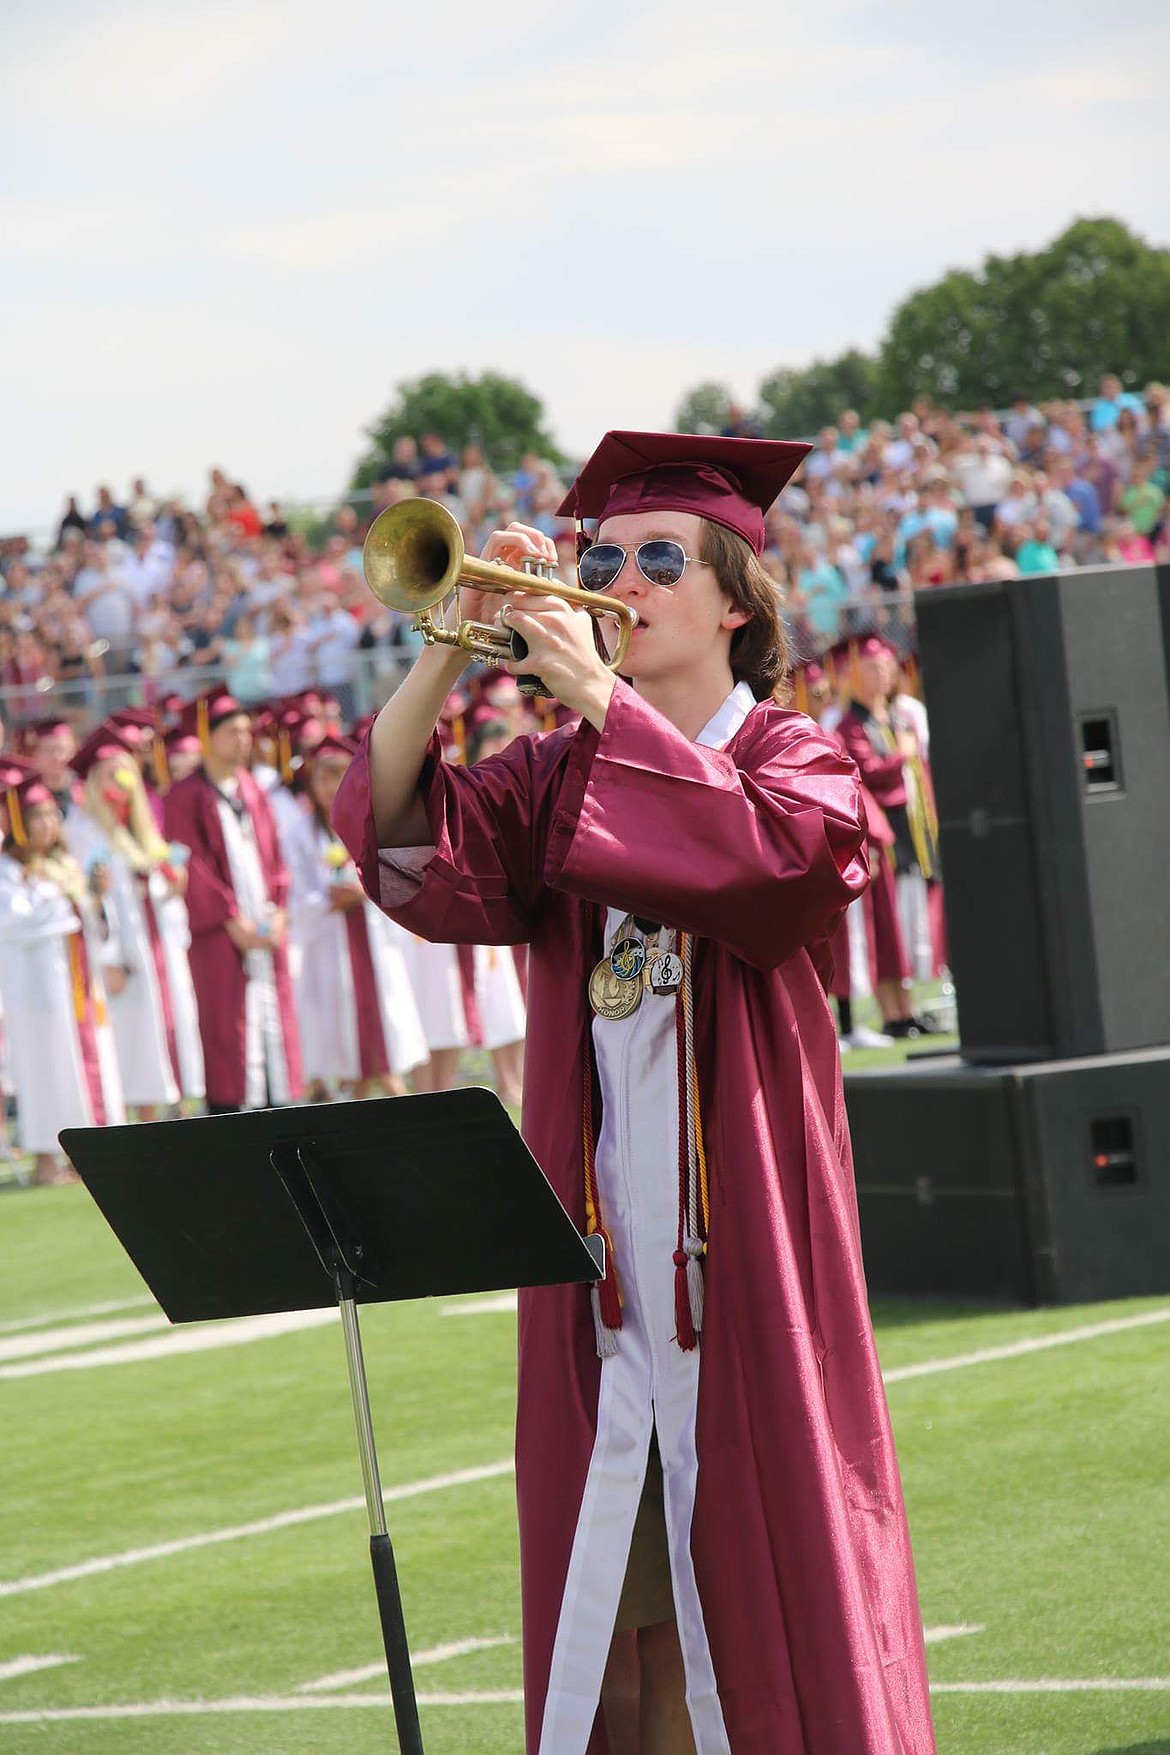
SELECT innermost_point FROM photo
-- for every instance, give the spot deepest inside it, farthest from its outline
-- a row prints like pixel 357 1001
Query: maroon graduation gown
pixel 217 967
pixel 799 1538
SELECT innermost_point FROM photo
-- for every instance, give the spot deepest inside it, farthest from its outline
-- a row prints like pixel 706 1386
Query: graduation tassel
pixel 606 1305
pixel 604 1298
pixel 694 1253
pixel 692 1170
pixel 16 826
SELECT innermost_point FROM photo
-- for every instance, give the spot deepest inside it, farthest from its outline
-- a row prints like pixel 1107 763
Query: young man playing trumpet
pixel 713 1544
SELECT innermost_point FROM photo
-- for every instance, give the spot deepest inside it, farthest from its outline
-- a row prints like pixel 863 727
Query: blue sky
pixel 230 230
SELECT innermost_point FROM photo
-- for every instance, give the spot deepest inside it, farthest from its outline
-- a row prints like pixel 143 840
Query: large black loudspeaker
pixel 1049 712
pixel 1042 1183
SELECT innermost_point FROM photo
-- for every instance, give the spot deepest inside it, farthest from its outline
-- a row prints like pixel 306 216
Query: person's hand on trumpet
pixel 508 548
pixel 559 636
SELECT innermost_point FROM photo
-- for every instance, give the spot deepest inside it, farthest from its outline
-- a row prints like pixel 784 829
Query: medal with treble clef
pixel 611 997
pixel 615 986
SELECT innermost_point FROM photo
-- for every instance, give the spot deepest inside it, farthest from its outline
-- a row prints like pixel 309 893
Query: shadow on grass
pixel 1161 1747
pixel 909 1312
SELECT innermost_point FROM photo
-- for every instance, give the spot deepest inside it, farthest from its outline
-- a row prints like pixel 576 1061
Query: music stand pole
pixel 381 1550
pixel 376 1202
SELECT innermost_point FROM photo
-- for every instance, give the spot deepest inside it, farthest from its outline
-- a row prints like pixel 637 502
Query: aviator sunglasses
pixel 661 562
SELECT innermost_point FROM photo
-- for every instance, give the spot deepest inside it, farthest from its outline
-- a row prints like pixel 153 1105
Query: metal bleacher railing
pixel 377 672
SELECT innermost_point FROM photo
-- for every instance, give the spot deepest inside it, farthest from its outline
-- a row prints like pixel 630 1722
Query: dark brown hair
pixel 760 653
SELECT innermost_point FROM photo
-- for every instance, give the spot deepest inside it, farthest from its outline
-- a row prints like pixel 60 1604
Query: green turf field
pixel 1036 1482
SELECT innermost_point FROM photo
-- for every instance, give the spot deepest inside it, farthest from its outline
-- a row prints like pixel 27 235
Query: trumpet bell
pixel 413 555
pixel 414 558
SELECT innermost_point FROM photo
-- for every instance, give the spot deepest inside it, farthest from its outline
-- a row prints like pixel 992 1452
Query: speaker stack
pixel 1035 1164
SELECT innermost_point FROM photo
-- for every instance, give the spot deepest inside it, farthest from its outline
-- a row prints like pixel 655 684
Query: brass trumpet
pixel 414 558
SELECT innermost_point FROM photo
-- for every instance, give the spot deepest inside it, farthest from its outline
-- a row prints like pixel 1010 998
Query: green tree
pixel 1046 324
pixel 493 411
pixel 797 400
pixel 705 409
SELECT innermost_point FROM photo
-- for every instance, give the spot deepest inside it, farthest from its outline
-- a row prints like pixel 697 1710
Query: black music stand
pixel 347 1204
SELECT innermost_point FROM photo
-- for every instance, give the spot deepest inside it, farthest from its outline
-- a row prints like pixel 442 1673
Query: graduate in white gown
pixel 63 1062
pixel 358 1020
pixel 182 756
pixel 499 998
pixel 153 1009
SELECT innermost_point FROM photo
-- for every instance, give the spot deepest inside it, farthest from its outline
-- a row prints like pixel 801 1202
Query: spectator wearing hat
pixel 237 896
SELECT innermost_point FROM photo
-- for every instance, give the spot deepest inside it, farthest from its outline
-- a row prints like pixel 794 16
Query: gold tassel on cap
pixel 158 758
pixel 16 826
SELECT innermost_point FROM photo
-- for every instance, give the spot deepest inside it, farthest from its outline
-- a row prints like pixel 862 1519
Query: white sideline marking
pixel 497 1697
pixel 282 1521
pixel 1094 1685
pixel 253 1703
pixel 48 1317
pixel 502 1301
pixel 28 1666
pixel 77 1334
pixel 1015 1349
pixel 438 1654
pixel 936 1635
pixel 195 1339
pixel 289 1519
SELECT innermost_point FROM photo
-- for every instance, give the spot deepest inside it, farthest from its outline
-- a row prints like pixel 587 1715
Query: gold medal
pixel 609 997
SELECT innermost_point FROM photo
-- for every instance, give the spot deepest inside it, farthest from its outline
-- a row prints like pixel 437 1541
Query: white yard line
pixel 498 1697
pixel 438 1654
pixel 77 1334
pixel 936 1635
pixel 48 1317
pixel 28 1666
pixel 196 1338
pixel 1016 1349
pixel 200 1338
pixel 499 1304
pixel 229 1333
pixel 253 1703
pixel 261 1527
pixel 1092 1685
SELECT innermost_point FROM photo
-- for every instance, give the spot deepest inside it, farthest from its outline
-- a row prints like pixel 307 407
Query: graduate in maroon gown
pixel 713 1543
pixel 889 758
pixel 237 896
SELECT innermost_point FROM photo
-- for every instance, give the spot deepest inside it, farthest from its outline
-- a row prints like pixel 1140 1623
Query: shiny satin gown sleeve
pixel 759 845
pixel 480 879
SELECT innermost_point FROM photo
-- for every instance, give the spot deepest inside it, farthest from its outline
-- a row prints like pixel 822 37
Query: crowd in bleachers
pixel 173 595
pixel 138 610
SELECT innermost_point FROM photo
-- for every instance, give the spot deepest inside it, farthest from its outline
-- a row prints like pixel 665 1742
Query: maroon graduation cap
pixel 332 744
pixel 107 743
pixel 48 726
pixel 731 482
pixel 23 789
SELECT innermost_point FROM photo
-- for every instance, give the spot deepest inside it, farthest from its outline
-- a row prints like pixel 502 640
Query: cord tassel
pixel 606 1337
pixel 695 1280
pixel 608 1297
pixel 684 1322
